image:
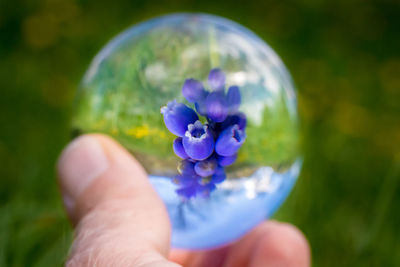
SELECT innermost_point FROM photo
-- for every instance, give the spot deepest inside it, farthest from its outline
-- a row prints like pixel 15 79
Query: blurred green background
pixel 344 57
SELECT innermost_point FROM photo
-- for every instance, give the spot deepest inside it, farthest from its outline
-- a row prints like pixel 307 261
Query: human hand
pixel 120 220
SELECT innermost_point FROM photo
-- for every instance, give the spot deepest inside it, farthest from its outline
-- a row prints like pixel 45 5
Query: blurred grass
pixel 344 57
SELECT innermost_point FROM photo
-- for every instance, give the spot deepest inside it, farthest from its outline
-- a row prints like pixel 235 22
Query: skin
pixel 119 219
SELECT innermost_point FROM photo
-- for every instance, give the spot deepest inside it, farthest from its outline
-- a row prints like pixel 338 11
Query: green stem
pixel 214 56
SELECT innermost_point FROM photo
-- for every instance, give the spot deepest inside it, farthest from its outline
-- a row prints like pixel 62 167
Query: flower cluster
pixel 205 148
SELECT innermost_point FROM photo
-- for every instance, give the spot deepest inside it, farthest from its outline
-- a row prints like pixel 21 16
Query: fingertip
pixel 80 163
pixel 111 202
pixel 281 245
pixel 94 166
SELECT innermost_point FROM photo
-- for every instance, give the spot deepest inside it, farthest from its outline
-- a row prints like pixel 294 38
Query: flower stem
pixel 214 56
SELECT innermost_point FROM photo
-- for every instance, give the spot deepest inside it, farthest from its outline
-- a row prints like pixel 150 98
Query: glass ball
pixel 139 78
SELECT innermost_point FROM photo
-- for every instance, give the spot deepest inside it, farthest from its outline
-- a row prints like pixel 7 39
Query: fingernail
pixel 81 162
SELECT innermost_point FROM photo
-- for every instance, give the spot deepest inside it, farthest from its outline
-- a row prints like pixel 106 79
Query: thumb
pixel 119 219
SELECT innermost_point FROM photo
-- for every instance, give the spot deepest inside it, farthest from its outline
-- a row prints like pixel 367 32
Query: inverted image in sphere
pixel 209 110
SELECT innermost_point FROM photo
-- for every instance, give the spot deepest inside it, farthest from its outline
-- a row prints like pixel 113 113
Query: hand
pixel 120 220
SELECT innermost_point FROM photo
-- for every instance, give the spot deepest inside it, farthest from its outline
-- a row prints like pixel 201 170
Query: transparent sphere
pixel 146 67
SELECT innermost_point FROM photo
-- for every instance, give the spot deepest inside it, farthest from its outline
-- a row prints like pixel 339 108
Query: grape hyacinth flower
pixel 177 117
pixel 198 141
pixel 205 148
pixel 216 106
pixel 229 141
pixel 179 149
pixel 206 167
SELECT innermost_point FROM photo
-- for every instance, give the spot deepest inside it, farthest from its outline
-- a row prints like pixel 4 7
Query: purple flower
pixel 193 90
pixel 216 106
pixel 187 176
pixel 226 161
pixel 186 168
pixel 205 148
pixel 238 118
pixel 177 117
pixel 178 148
pixel 216 79
pixel 233 99
pixel 229 141
pixel 206 167
pixel 219 176
pixel 198 141
pixel 200 105
pixel 188 191
pixel 184 180
pixel 195 188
